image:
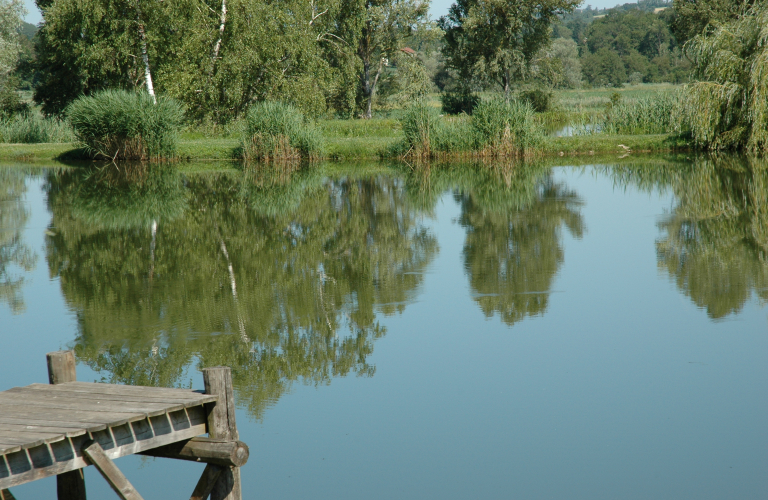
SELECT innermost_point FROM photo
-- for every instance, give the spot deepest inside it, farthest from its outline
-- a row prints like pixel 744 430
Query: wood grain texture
pixel 207 481
pixel 111 473
pixel 208 450
pixel 61 367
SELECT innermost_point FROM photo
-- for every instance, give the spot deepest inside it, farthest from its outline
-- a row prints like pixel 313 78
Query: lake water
pixel 594 332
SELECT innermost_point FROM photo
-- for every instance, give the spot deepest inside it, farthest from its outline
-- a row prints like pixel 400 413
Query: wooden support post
pixel 6 495
pixel 207 481
pixel 109 470
pixel 61 369
pixel 222 425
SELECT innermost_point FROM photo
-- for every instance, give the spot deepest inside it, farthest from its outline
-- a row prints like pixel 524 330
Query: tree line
pixel 342 57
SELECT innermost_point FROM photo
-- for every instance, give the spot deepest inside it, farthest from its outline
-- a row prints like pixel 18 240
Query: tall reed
pixel 505 128
pixel 643 115
pixel 275 130
pixel 118 124
pixel 29 128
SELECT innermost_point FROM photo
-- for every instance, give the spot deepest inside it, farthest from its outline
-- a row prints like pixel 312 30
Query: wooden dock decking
pixel 48 430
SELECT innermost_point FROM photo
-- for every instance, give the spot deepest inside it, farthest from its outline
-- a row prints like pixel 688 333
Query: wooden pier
pixel 57 429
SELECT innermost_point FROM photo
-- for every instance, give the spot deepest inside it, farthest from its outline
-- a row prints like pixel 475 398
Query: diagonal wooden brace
pixel 109 470
pixel 6 495
pixel 207 481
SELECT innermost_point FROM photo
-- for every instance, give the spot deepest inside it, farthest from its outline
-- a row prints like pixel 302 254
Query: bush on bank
pixel 117 124
pixel 274 130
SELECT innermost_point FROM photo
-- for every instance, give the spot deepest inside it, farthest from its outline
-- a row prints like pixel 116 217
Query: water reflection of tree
pixel 279 295
pixel 13 250
pixel 513 214
pixel 714 243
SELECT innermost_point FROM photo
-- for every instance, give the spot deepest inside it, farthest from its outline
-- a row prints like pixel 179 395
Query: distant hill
pixel 28 30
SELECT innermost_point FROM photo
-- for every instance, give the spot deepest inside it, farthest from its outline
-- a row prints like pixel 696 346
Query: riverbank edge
pixel 370 148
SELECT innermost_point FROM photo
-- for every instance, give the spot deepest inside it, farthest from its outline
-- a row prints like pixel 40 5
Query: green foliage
pixel 497 40
pixel 460 101
pixel 646 115
pixel 631 43
pixel 505 128
pixel 695 17
pixel 117 124
pixel 539 99
pixel 30 128
pixel 274 130
pixel 726 106
pixel 421 125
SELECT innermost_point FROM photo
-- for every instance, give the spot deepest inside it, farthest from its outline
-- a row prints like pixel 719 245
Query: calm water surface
pixel 594 332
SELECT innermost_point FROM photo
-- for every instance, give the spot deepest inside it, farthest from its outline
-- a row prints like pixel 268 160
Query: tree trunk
pixel 372 90
pixel 144 55
pixel 217 46
pixel 506 84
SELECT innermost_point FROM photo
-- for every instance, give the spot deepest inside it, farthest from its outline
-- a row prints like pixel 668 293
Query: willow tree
pixel 11 12
pixel 498 39
pixel 726 104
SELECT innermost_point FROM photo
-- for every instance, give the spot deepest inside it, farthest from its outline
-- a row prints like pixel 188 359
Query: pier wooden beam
pixel 6 495
pixel 109 470
pixel 222 425
pixel 221 452
pixel 207 481
pixel 62 369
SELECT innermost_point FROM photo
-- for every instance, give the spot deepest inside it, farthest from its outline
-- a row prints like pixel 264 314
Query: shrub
pixel 461 101
pixel 118 124
pixel 540 100
pixel 28 128
pixel 274 130
pixel 505 128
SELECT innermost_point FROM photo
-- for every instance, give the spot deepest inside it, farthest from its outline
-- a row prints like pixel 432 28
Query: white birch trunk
pixel 145 55
pixel 217 45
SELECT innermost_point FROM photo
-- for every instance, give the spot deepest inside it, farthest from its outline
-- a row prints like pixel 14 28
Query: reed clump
pixel 279 131
pixel 644 115
pixel 31 128
pixel 496 128
pixel 122 125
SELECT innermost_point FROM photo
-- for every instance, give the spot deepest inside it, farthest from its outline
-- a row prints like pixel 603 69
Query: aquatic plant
pixel 29 128
pixel 274 130
pixel 644 115
pixel 117 124
pixel 505 128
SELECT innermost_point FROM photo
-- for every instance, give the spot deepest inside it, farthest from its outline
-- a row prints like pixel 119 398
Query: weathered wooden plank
pixel 91 405
pixel 28 439
pixel 62 415
pixel 78 462
pixel 207 481
pixel 111 473
pixel 6 449
pixel 71 485
pixel 129 389
pixel 59 391
pixel 64 431
pixel 75 425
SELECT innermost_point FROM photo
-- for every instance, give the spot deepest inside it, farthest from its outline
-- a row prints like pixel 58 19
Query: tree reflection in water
pixel 513 214
pixel 279 295
pixel 13 251
pixel 714 243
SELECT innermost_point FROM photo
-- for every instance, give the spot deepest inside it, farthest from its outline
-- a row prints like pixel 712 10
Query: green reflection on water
pixel 13 250
pixel 279 295
pixel 281 272
pixel 714 242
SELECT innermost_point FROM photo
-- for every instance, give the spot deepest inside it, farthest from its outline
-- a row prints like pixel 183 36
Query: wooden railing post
pixel 222 425
pixel 61 369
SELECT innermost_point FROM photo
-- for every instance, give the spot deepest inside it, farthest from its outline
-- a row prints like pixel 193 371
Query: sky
pixel 437 9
